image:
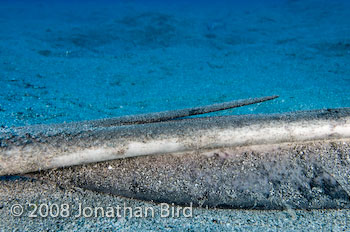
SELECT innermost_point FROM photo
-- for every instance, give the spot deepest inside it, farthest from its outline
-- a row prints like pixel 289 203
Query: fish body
pixel 274 161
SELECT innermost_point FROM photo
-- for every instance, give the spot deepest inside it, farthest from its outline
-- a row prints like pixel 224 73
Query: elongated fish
pixel 298 160
pixel 39 147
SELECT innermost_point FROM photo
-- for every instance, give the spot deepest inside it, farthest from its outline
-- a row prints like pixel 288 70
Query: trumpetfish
pixel 296 160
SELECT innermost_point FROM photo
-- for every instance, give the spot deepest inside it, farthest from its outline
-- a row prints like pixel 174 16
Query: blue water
pixel 74 60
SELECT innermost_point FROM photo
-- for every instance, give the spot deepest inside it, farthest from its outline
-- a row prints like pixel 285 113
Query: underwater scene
pixel 133 115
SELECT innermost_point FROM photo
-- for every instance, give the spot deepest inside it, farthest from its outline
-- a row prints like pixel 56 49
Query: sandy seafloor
pixel 64 61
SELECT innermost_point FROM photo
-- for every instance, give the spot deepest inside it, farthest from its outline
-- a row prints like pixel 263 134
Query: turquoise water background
pixel 63 61
pixel 69 61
